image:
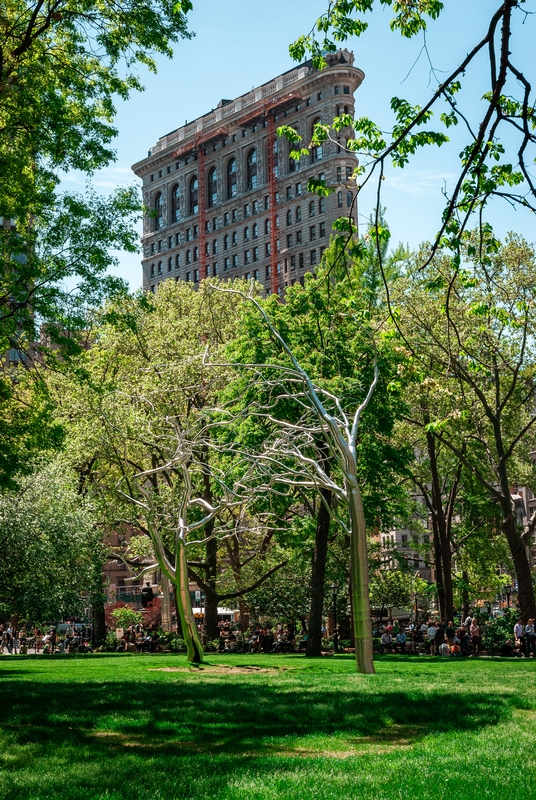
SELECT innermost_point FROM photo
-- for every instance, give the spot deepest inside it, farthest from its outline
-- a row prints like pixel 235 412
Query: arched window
pixel 289 217
pixel 194 195
pixel 298 213
pixel 214 247
pixel 231 178
pixel 159 211
pixel 266 226
pixel 212 187
pixel 159 267
pixel 196 253
pixel 234 239
pixel 321 205
pixel 175 204
pixel 312 208
pixel 252 169
pixel 152 270
pixel 349 199
pixel 339 199
pixel 246 234
pixel 255 231
pixel 316 152
pixel 226 242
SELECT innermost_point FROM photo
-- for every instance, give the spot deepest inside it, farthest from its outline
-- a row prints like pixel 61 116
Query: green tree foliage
pixel 62 63
pixel 52 553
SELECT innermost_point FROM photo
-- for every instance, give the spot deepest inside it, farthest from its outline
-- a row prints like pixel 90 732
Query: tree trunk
pixel 210 624
pixel 244 614
pixel 438 569
pixel 318 574
pixel 99 631
pixel 359 578
pixel 184 607
pixel 525 590
pixel 441 528
pixel 465 595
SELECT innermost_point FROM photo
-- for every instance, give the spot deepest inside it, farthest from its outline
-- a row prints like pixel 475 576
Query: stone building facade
pixel 226 199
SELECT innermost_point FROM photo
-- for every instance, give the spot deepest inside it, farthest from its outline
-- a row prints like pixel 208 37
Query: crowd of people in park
pixel 436 639
pixel 75 639
pixel 261 639
pixel 429 638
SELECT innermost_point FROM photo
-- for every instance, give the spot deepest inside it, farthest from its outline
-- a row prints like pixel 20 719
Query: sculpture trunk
pixel 359 580
pixel 194 648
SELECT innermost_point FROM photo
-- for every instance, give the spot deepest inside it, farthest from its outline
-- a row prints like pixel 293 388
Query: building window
pixel 153 248
pixel 313 257
pixel 247 256
pixel 289 240
pixel 160 246
pixel 214 247
pixel 335 90
pixel 293 262
pixel 255 254
pixel 215 268
pixel 289 217
pixel 234 239
pixel 207 226
pixel 188 234
pixel 267 249
pixel 312 233
pixel 319 96
pixel 312 208
pixel 349 199
pixel 301 260
pixel 322 229
pixel 159 267
pixel 226 263
pixel 318 151
pixel 255 274
pixel 346 90
pixel 246 234
pixel 235 260
pixel 349 173
pixel 321 205
pixel 267 272
pixel 255 231
pixel 215 224
pixel 255 207
pixel 177 239
pixel 207 248
pixel 159 211
pixel 152 270
pixel 196 253
pixel 196 276
pixel 266 226
pixel 175 204
pixel 234 215
pixel 226 218
pixel 298 189
pixel 266 203
pixel 194 195
pixel 170 265
pixel 177 260
pixel 196 231
pixel 226 242
pixel 188 256
pixel 170 242
pixel 212 187
pixel 187 276
pixel 339 174
pixel 151 178
pixel 298 214
pixel 251 170
pixel 289 192
pixel 339 199
pixel 298 237
pixel 231 178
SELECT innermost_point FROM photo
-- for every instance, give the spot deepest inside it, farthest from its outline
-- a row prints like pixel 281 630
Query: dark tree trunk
pixel 99 620
pixel 525 590
pixel 442 545
pixel 211 597
pixel 439 569
pixel 318 574
pixel 244 614
pixel 465 595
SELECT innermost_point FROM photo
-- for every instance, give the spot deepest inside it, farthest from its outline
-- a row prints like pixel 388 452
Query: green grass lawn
pixel 252 727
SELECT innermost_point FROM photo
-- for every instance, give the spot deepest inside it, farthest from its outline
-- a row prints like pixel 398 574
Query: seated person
pixel 507 649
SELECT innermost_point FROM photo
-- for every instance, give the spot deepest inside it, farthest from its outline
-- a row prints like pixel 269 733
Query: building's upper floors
pixel 224 196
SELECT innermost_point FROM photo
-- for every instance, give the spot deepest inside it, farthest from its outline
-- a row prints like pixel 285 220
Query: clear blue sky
pixel 240 44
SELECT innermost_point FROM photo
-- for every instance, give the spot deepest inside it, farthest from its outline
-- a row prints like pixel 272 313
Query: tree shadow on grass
pixel 213 716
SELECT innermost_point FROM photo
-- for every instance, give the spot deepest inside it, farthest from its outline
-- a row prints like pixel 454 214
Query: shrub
pixel 126 616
